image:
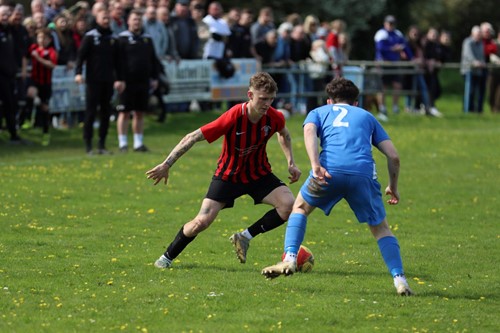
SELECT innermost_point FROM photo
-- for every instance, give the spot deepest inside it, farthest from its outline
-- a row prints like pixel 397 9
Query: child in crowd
pixel 43 61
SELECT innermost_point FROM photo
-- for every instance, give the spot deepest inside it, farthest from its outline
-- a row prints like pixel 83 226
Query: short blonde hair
pixel 263 81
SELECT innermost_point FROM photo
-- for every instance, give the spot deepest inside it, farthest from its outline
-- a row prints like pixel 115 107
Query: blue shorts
pixel 361 193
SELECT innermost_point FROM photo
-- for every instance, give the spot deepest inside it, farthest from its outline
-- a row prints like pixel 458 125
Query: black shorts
pixel 226 192
pixel 390 75
pixel 44 92
pixel 135 97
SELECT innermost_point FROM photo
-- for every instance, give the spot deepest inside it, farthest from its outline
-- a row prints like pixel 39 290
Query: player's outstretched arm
pixel 285 142
pixel 393 165
pixel 160 171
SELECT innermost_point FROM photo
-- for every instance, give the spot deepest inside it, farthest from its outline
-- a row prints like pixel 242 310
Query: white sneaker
pixel 163 262
pixel 421 110
pixel 435 113
pixel 282 268
pixel 382 117
pixel 402 287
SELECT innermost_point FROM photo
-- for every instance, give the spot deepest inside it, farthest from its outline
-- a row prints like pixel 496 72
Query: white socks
pixel 138 139
pixel 246 234
pixel 400 279
pixel 290 257
pixel 122 140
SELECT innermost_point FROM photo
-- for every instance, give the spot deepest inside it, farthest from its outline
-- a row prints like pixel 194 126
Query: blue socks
pixel 389 248
pixel 295 230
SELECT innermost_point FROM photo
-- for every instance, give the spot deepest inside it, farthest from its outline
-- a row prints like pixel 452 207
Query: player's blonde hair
pixel 263 81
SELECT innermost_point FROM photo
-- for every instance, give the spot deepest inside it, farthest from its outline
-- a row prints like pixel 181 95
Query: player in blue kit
pixel 345 169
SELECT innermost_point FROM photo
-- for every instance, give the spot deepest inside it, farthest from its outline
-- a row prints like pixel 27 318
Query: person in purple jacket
pixel 390 45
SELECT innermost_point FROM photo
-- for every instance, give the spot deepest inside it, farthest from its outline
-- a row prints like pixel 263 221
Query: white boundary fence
pixel 190 79
pixel 199 80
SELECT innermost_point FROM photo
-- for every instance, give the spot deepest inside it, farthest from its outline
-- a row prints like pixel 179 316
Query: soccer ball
pixel 305 259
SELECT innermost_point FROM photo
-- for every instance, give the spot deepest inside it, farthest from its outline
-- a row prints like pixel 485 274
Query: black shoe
pixel 141 149
pixel 104 151
pixel 124 149
pixel 15 141
pixel 18 141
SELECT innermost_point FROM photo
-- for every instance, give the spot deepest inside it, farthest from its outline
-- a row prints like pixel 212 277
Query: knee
pixel 285 207
pixel 199 224
pixel 382 230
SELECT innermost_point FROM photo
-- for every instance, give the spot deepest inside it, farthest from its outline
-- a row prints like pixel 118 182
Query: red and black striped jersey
pixel 244 156
pixel 41 74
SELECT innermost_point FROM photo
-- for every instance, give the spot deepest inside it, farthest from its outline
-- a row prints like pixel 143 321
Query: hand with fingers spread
pixel 158 173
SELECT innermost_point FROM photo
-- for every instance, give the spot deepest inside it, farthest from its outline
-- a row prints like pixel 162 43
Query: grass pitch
pixel 80 235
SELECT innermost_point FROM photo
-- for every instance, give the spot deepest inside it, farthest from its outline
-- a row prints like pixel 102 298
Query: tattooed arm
pixel 161 170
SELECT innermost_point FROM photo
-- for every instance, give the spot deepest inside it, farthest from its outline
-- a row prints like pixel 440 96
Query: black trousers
pixel 98 100
pixel 8 107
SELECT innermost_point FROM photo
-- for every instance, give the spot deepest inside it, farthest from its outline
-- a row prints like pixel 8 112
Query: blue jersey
pixel 346 135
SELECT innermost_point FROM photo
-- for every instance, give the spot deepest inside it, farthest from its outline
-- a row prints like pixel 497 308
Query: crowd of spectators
pixel 478 51
pixel 301 52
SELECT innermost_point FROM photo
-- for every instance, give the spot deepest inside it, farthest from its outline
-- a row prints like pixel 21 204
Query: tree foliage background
pixel 365 17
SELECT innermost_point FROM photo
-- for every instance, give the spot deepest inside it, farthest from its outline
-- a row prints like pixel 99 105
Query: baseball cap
pixel 183 2
pixel 390 19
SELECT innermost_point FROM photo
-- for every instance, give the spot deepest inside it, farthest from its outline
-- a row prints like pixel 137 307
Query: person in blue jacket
pixel 390 46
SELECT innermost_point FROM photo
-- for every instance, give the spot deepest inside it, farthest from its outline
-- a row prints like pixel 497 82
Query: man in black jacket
pixel 99 51
pixel 9 53
pixel 137 76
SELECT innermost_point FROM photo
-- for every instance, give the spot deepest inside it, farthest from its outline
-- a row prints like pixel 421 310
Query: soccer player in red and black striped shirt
pixel 242 168
pixel 43 61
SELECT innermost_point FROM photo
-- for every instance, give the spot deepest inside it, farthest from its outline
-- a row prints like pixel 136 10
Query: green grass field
pixel 80 235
